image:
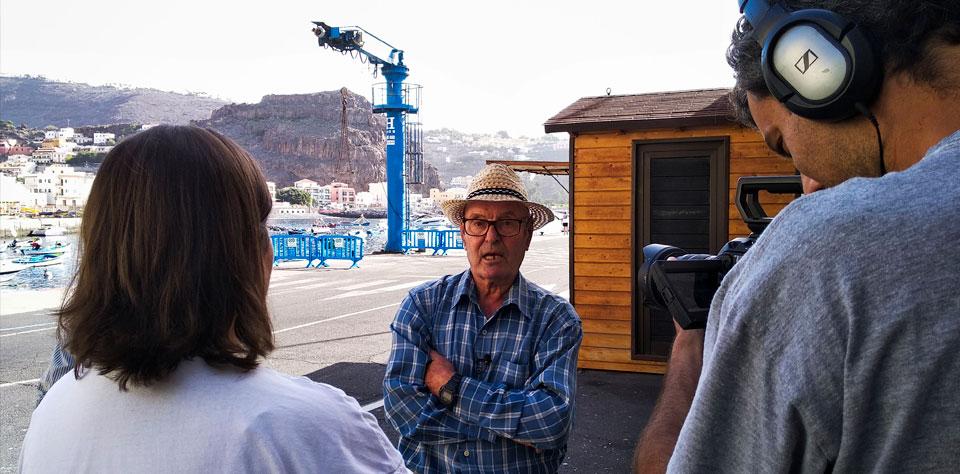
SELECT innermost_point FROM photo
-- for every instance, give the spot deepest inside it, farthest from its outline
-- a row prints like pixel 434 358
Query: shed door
pixel 682 200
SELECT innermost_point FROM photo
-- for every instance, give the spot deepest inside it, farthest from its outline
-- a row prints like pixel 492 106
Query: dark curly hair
pixel 902 32
pixel 174 261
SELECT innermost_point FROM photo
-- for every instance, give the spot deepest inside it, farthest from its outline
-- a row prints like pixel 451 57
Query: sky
pixel 483 66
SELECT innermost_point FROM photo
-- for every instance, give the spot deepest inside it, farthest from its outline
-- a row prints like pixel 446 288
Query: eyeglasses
pixel 505 227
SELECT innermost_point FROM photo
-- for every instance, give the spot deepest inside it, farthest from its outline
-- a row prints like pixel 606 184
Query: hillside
pixel 37 102
pixel 292 136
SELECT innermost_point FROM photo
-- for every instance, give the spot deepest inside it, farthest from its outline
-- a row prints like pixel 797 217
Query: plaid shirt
pixel 519 378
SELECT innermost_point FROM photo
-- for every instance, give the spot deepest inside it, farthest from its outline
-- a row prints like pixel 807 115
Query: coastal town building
pixel 272 187
pixel 101 138
pixel 59 186
pixel 320 194
pixel 461 181
pixel 453 193
pixel 9 146
pixel 283 209
pixel 342 193
pixel 379 190
pixel 15 198
pixel 17 165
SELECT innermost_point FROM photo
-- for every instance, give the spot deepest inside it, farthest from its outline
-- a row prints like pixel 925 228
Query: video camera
pixel 686 286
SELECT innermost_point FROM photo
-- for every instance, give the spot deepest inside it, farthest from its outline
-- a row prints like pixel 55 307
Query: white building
pixel 366 199
pixel 102 138
pixel 453 193
pixel 317 192
pixel 379 190
pixel 17 165
pixel 14 196
pixel 65 133
pixel 461 181
pixel 283 209
pixel 272 187
pixel 73 190
pixel 59 186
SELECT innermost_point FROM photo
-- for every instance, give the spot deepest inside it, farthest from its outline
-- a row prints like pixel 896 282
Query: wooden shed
pixel 649 168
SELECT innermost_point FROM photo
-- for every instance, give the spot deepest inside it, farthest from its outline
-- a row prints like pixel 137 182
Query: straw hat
pixel 497 182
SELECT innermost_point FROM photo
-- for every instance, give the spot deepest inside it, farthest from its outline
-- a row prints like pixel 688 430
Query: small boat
pixel 39 260
pixel 22 244
pixel 48 230
pixel 58 249
pixel 9 269
pixel 432 223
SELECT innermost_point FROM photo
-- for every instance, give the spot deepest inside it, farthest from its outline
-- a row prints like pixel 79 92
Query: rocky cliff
pixel 298 136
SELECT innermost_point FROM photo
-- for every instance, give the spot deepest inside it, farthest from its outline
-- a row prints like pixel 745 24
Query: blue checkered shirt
pixel 519 379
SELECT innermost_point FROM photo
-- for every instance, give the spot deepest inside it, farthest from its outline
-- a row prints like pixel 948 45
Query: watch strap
pixel 450 390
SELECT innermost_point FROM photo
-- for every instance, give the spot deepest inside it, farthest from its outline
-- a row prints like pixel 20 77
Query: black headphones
pixel 816 62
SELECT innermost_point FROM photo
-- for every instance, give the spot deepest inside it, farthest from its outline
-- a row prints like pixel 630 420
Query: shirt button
pixel 484 332
pixel 466 452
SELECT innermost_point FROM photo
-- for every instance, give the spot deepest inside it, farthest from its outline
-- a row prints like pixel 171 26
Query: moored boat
pixel 8 269
pixel 48 230
pixel 57 249
pixel 39 260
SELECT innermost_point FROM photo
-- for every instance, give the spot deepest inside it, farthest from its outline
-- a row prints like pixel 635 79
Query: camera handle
pixel 748 197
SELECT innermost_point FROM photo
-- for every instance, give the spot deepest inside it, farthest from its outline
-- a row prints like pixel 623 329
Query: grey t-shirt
pixel 835 343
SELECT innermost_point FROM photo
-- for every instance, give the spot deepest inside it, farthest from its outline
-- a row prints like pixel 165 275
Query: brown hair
pixel 174 260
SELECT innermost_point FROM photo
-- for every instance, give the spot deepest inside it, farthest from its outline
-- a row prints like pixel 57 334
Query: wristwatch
pixel 449 390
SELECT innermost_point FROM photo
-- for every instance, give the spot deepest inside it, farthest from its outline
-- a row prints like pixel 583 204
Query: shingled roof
pixel 660 109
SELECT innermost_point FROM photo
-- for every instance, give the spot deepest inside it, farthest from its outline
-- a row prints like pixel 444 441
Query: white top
pixel 204 419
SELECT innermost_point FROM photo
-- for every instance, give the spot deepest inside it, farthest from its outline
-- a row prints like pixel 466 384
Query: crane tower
pixel 395 99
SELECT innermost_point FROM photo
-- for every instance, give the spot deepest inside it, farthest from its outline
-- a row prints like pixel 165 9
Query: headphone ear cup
pixel 819 65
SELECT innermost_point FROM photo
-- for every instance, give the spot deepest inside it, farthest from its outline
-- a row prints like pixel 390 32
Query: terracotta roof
pixel 660 109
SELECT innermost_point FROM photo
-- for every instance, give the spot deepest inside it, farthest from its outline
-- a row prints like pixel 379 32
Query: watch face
pixel 446 396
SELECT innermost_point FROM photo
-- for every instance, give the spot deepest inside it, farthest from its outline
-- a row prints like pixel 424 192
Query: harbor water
pixel 42 278
pixel 59 276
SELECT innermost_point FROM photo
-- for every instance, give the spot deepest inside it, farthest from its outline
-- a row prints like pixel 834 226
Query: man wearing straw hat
pixel 482 372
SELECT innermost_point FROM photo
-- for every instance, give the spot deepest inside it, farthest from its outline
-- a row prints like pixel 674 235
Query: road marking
pixel 401 286
pixel 335 318
pixel 25 327
pixel 27 332
pixel 27 382
pixel 372 406
pixel 286 283
pixel 362 285
pixel 548 287
pixel 564 294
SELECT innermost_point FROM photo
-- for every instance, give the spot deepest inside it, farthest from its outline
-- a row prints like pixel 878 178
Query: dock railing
pixel 317 248
pixel 438 240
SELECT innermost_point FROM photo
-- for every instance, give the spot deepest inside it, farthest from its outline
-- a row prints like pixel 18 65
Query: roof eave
pixel 638 124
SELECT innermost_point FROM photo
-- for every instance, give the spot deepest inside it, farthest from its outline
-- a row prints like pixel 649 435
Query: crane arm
pixel 352 38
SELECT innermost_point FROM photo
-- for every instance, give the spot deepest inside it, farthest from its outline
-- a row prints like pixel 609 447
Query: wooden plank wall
pixel 602 174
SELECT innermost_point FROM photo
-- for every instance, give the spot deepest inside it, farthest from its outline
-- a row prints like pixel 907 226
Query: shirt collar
pixel 518 294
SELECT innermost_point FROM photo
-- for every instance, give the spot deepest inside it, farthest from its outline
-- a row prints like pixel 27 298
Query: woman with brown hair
pixel 167 322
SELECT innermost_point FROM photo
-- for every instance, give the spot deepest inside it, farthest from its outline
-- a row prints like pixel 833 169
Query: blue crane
pixel 396 100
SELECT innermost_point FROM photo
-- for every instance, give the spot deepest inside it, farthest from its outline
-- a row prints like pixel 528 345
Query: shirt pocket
pixel 514 376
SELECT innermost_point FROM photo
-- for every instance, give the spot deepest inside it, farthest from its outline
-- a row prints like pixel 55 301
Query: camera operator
pixel 834 344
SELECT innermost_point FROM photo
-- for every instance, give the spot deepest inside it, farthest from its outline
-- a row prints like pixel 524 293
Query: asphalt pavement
pixel 332 325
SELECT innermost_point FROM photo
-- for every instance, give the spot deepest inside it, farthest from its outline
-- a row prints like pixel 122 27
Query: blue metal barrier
pixel 313 248
pixel 294 247
pixel 438 240
pixel 339 247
